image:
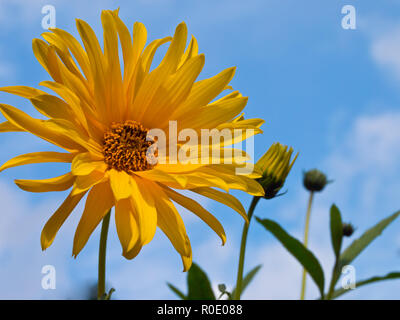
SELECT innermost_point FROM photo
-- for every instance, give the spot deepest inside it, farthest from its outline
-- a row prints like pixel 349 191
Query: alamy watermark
pixel 49 278
pixel 349 277
pixel 49 20
pixel 349 20
pixel 204 146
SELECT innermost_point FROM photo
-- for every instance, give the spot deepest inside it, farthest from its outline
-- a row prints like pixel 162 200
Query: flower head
pixel 102 116
pixel 348 229
pixel 275 166
pixel 315 180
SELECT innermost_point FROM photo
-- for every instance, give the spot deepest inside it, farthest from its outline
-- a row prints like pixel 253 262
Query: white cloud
pixel 366 162
pixel 385 50
pixel 7 69
pixel 21 257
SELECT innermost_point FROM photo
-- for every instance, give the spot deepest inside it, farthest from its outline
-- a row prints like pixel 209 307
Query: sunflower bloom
pixel 100 115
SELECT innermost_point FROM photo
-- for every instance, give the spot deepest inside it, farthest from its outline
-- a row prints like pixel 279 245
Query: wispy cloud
pixel 385 49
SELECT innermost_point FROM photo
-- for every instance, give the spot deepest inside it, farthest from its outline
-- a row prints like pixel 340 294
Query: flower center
pixel 125 147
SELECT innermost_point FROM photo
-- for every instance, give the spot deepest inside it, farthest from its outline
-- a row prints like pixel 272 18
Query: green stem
pixel 306 229
pixel 335 277
pixel 246 226
pixel 101 283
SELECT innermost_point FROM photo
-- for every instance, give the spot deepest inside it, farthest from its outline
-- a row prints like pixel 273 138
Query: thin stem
pixel 335 277
pixel 306 229
pixel 246 226
pixel 101 283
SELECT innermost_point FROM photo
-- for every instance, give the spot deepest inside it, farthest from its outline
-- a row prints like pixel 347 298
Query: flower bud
pixel 275 166
pixel 314 180
pixel 348 229
pixel 222 288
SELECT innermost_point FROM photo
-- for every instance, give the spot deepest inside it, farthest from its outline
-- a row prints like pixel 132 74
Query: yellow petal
pixel 113 68
pixel 42 53
pixel 76 49
pixel 153 81
pixel 80 87
pixel 140 73
pixel 37 157
pixel 149 52
pixel 143 202
pixel 85 163
pixel 239 182
pixel 52 107
pixel 23 91
pixel 134 251
pixel 173 92
pixel 191 51
pixel 176 49
pixel 84 183
pixel 92 47
pixel 70 97
pixel 7 126
pixel 139 38
pixel 126 224
pixel 163 177
pixel 57 219
pixel 132 51
pixel 197 209
pixel 121 184
pixel 171 223
pixel 63 52
pixel 241 130
pixel 97 66
pixel 187 262
pixel 126 43
pixel 178 167
pixel 256 122
pixel 204 179
pixel 59 183
pixel 224 198
pixel 81 138
pixel 98 202
pixel 204 92
pixel 38 127
pixel 210 116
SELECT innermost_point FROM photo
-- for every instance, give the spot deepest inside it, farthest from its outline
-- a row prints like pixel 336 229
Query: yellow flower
pixel 101 116
pixel 275 166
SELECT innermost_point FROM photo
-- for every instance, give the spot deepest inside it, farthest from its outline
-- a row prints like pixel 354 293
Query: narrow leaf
pixel 361 243
pixel 389 276
pixel 298 250
pixel 199 285
pixel 247 279
pixel 179 293
pixel 336 230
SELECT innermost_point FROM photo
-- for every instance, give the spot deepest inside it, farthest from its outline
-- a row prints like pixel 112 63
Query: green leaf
pixel 247 279
pixel 389 276
pixel 298 250
pixel 361 243
pixel 336 230
pixel 179 293
pixel 199 285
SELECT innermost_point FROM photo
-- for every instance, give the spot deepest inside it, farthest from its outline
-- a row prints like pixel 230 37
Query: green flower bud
pixel 275 166
pixel 348 229
pixel 315 180
pixel 222 288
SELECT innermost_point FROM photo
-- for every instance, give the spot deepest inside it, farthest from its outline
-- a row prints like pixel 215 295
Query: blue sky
pixel 332 94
